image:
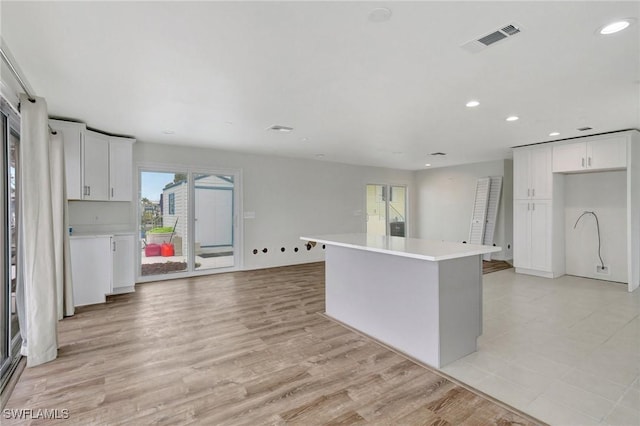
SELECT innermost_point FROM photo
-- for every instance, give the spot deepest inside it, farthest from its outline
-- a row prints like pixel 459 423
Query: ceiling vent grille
pixel 279 128
pixel 492 38
pixel 483 42
pixel 437 153
pixel 584 129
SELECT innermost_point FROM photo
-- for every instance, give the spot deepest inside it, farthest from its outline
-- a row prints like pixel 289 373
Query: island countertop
pixel 407 247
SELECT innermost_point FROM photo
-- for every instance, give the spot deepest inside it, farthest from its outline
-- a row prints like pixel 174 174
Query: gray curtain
pixel 37 292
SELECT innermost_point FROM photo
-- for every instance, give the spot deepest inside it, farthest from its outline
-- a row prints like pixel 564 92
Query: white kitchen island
pixel 422 297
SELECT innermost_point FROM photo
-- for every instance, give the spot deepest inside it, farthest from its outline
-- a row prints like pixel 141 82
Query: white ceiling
pixel 383 94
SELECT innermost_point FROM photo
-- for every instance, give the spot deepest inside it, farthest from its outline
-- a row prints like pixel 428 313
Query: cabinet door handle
pixel 533 206
pixel 111 192
pixel 528 192
pixel 582 161
pixel 89 190
pixel 114 246
pixel 528 206
pixel 589 162
pixel 533 192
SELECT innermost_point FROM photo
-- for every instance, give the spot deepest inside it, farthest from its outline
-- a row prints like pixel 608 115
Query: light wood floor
pixel 242 348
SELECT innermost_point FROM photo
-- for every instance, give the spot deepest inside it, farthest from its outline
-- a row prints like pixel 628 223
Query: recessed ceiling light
pixel 168 132
pixel 427 165
pixel 554 134
pixel 279 128
pixel 472 104
pixel 614 27
pixel 380 14
pixel 304 139
pixel 513 118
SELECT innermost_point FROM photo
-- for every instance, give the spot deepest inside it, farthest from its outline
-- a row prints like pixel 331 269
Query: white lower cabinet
pixel 123 270
pixel 101 265
pixel 90 269
pixel 532 239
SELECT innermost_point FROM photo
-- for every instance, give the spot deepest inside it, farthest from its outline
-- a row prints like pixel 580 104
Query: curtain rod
pixel 20 81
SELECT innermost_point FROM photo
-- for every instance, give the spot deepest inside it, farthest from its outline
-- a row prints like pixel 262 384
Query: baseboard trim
pixel 537 273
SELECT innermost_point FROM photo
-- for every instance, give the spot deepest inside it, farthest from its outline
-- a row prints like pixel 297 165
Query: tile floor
pixel 566 351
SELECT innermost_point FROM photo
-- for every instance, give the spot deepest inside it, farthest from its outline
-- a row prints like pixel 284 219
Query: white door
pixel 90 269
pixel 608 153
pixel 72 137
pixel 120 169
pixel 479 213
pixel 96 166
pixel 214 217
pixel 123 261
pixel 541 173
pixel 521 234
pixel 521 174
pixel 541 235
pixel 569 158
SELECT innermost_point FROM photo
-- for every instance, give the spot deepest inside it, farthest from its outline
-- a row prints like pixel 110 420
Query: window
pixel 172 203
pixel 386 215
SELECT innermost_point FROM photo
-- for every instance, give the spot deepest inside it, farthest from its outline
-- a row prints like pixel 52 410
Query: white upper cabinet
pixel 72 134
pixel 532 178
pixel 607 153
pixel 96 166
pixel 120 168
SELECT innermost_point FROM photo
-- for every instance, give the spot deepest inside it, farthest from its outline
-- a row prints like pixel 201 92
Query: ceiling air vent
pixel 492 38
pixel 279 128
pixel 483 42
pixel 437 153
pixel 584 129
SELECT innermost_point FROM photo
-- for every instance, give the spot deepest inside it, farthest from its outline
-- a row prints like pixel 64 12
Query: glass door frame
pixel 11 125
pixel 237 222
pixel 387 190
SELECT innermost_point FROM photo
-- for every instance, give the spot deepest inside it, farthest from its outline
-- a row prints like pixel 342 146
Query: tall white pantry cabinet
pixel 539 199
pixel 537 210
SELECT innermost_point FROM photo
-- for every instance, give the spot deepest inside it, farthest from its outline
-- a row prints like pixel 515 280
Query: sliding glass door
pixel 188 222
pixel 387 210
pixel 9 328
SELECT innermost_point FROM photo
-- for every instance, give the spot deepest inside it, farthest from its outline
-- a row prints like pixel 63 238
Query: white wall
pixel 445 199
pixel 605 193
pixel 290 197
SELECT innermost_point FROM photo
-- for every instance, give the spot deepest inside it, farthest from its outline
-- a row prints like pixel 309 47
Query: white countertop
pixel 406 247
pixel 99 234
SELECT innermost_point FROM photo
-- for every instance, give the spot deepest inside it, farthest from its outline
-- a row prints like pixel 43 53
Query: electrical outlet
pixel 603 270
